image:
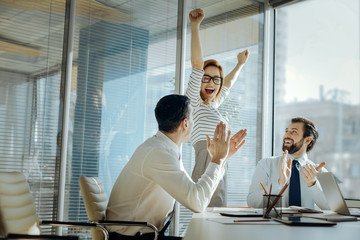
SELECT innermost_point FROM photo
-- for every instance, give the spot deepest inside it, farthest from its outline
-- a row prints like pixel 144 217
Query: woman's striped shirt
pixel 206 117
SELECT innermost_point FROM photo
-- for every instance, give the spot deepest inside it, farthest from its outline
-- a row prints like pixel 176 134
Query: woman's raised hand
pixel 242 57
pixel 196 16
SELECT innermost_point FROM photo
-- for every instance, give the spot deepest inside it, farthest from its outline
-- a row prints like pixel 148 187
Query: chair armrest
pixel 53 237
pixel 77 224
pixel 125 223
pixel 68 224
pixel 130 223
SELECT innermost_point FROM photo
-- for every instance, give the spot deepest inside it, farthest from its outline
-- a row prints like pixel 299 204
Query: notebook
pixel 333 195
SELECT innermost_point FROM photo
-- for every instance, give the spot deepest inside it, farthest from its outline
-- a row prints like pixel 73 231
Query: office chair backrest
pixel 17 205
pixel 95 200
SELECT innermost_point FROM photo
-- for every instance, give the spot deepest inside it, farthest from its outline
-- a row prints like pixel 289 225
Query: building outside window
pixel 318 77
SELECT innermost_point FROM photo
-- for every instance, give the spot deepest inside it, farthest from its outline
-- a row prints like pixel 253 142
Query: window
pixel 224 34
pixel 31 51
pixel 317 76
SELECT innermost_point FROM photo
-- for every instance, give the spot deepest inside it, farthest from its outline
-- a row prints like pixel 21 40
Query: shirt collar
pixel 169 143
pixel 302 160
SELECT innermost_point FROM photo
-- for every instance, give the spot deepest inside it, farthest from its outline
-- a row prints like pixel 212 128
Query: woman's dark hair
pixel 309 131
pixel 171 110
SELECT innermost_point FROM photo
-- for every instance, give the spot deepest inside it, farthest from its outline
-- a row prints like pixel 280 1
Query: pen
pixel 257 220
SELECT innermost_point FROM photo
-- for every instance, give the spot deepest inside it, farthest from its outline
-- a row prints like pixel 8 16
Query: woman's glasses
pixel 216 80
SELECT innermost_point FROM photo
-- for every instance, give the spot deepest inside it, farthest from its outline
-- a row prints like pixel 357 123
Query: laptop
pixel 333 195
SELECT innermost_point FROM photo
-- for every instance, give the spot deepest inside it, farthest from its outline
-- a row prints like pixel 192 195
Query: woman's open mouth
pixel 209 90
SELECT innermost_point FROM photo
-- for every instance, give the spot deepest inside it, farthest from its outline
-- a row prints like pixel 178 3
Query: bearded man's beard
pixel 294 147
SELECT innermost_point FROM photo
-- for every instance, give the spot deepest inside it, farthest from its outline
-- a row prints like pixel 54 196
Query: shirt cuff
pixel 225 90
pixel 316 187
pixel 197 71
pixel 216 171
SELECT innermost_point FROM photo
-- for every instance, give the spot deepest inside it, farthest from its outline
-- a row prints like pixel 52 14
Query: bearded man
pixel 293 167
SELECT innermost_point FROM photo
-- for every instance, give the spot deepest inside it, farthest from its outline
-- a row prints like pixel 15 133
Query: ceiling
pixel 32 31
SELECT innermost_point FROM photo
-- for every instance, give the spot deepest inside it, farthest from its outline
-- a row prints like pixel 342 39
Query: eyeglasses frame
pixel 212 78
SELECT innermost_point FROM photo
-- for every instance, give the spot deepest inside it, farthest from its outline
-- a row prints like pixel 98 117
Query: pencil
pixel 283 189
pixel 268 201
pixel 268 197
pixel 253 220
pixel 264 188
pixel 276 199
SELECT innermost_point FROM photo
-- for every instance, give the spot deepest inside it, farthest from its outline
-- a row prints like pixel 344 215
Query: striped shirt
pixel 206 117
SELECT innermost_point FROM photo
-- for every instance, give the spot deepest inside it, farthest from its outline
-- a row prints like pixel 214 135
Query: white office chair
pixel 95 200
pixel 18 218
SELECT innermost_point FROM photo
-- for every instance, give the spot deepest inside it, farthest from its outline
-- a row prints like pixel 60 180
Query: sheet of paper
pixel 236 210
pixel 245 221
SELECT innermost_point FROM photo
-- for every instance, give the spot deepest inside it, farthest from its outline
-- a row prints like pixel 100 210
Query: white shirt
pixel 206 116
pixel 267 172
pixel 151 180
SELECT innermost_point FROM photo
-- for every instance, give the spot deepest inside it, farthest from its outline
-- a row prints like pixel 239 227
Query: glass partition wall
pixel 125 54
pixel 124 61
pixel 31 43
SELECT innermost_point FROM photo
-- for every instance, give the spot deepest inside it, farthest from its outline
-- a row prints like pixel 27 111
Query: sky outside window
pixel 322 48
pixel 317 76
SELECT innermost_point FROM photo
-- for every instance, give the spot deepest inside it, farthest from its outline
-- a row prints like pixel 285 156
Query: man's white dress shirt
pixel 150 183
pixel 267 172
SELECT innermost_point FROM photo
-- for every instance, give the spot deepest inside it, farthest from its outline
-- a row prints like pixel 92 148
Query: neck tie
pixel 294 191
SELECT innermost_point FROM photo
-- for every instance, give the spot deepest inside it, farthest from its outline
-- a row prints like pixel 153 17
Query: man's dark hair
pixel 309 131
pixel 170 111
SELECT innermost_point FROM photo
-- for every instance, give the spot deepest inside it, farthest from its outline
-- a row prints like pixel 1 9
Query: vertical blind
pixel 124 62
pixel 30 62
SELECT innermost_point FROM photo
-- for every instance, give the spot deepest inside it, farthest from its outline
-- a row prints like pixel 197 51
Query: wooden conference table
pixel 212 226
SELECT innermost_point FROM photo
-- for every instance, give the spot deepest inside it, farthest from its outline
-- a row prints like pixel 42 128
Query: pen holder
pixel 272 206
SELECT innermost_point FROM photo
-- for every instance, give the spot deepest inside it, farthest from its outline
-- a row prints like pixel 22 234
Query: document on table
pixel 245 221
pixel 248 211
pixel 236 210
